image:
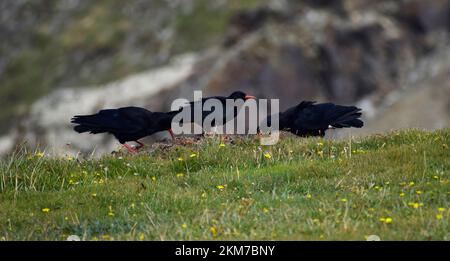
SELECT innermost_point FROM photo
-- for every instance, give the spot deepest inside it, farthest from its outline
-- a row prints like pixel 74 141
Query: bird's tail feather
pixel 89 123
pixel 345 117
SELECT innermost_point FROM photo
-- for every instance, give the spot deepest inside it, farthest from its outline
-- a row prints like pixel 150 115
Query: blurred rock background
pixel 59 58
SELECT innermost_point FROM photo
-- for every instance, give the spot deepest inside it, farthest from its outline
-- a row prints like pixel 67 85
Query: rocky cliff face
pixel 390 57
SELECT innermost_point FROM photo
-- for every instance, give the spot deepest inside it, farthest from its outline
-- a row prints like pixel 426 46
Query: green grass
pixel 299 189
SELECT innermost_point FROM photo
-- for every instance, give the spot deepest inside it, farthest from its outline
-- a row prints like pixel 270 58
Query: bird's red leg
pixel 129 148
pixel 171 134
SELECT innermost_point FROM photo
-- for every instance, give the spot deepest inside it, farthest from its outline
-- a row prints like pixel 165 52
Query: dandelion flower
pixel 94 195
pixel 66 218
pixel 221 187
pixel 193 155
pixel 439 216
pixel 111 214
pixel 343 200
pixel 441 209
pixel 319 144
pixel 153 178
pixel 213 231
pixel 415 205
pixel 45 210
pixel 265 210
pixel 267 155
pixel 418 192
pixel 180 175
pixel 69 158
pixel 221 145
pixel 402 194
pixel 39 154
pixel 184 225
pixel 141 236
pixel 386 220
pixel 435 177
pixel 180 159
pixel 308 196
pixel 411 183
pixel 204 195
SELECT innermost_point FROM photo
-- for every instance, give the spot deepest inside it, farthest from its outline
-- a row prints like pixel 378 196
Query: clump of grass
pixel 394 186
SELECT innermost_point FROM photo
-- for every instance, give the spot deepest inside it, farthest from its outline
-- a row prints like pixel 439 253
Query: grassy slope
pixel 308 189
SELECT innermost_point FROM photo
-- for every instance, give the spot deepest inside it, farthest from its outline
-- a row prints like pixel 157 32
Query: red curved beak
pixel 247 97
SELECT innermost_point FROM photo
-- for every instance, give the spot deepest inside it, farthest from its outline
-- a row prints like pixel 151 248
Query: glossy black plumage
pixel 237 95
pixel 311 119
pixel 126 124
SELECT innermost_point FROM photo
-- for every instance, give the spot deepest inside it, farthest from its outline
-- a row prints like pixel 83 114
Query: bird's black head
pixel 240 95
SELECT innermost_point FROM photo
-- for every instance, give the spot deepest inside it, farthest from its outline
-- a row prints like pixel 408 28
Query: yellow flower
pixel 153 178
pixel 221 187
pixel 441 209
pixel 321 236
pixel 141 236
pixel 439 216
pixel 180 175
pixel 180 159
pixel 106 237
pixel 411 183
pixel 320 153
pixel 265 210
pixel 184 225
pixel 415 204
pixel 39 154
pixel 193 155
pixel 204 195
pixel 66 218
pixel 386 220
pixel 221 145
pixel 343 200
pixel 94 195
pixel 267 155
pixel 45 210
pixel 435 177
pixel 371 209
pixel 213 231
pixel 308 196
pixel 111 212
pixel 69 158
pixel 402 194
pixel 418 192
pixel 319 144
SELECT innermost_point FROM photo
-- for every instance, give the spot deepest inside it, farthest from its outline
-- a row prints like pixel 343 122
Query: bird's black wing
pixel 122 120
pixel 321 116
